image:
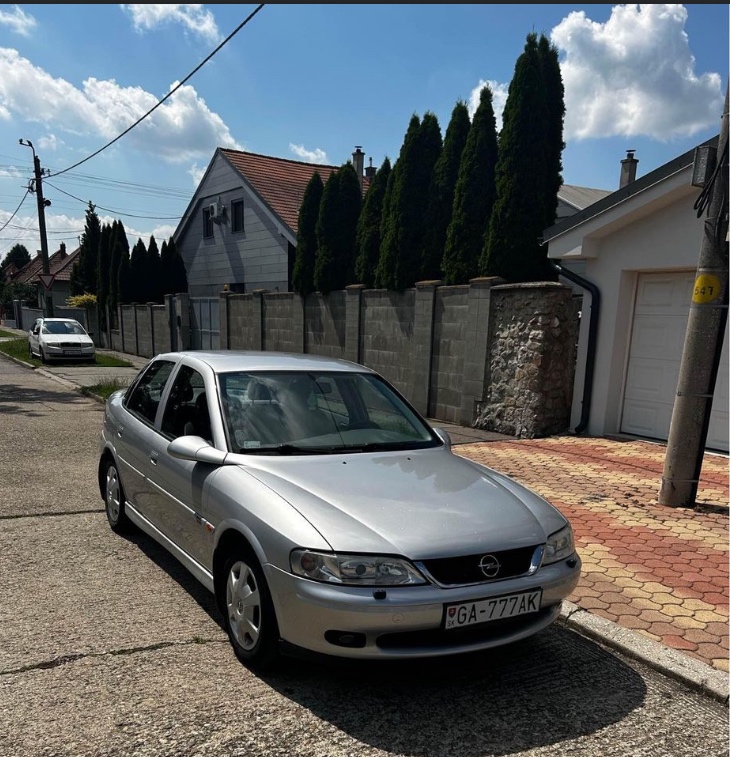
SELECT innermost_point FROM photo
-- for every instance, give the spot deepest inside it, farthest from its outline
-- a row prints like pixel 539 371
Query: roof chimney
pixel 358 161
pixel 370 170
pixel 628 169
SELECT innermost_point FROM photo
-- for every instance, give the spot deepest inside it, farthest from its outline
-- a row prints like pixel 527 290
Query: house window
pixel 207 223
pixel 237 215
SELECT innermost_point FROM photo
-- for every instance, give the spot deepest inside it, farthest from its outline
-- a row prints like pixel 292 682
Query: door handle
pixel 119 431
pixel 153 457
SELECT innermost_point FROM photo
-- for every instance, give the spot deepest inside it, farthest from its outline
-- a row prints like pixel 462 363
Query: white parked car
pixel 324 513
pixel 60 339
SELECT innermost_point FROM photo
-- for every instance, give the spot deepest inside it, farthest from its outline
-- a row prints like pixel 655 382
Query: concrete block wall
pixel 496 356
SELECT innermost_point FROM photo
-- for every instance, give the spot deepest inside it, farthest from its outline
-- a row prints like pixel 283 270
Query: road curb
pixel 674 664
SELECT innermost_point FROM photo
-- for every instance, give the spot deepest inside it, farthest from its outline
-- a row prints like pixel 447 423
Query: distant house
pixel 638 248
pixel 240 228
pixel 60 264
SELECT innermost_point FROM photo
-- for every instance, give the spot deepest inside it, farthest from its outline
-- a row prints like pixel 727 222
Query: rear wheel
pixel 248 611
pixel 114 500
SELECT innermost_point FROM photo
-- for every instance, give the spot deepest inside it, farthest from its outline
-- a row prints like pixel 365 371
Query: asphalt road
pixel 108 647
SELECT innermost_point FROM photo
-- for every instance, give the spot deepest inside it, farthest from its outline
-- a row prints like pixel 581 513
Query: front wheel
pixel 114 501
pixel 249 612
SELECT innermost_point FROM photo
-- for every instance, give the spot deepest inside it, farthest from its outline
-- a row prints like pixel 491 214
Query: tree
pixel 528 169
pixel 102 273
pixel 125 288
pixel 339 210
pixel 154 270
pixel 367 234
pixel 177 276
pixel 17 256
pixel 399 264
pixel 303 271
pixel 118 243
pixel 474 195
pixel 84 269
pixel 440 204
pixel 139 273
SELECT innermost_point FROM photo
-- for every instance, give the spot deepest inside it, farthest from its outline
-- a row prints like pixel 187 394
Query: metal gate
pixel 204 323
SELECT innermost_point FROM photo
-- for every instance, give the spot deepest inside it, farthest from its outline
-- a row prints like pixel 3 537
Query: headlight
pixel 559 546
pixel 354 570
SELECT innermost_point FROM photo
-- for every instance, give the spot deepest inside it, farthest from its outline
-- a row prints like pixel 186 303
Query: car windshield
pixel 285 413
pixel 62 327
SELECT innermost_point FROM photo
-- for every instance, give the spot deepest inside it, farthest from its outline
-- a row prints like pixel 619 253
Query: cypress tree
pixel 473 196
pixel 125 290
pixel 83 272
pixel 154 271
pixel 303 272
pixel 138 273
pixel 512 249
pixel 102 274
pixel 178 276
pixel 334 264
pixel 325 259
pixel 367 236
pixel 441 192
pixel 118 243
pixel 401 252
pixel 553 133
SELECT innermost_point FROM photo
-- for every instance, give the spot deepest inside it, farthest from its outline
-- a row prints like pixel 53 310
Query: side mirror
pixel 443 434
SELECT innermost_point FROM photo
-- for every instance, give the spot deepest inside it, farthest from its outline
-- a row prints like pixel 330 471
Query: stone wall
pixel 531 360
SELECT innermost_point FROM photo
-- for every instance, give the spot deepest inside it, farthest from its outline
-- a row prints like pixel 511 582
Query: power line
pixel 27 192
pixel 111 210
pixel 168 95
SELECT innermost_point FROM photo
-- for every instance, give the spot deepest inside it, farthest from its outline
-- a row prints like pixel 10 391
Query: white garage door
pixel 657 341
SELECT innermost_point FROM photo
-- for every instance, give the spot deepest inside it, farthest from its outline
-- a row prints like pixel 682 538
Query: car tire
pixel 114 500
pixel 248 612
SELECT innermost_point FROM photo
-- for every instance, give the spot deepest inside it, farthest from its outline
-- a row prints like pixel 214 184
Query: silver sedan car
pixel 324 513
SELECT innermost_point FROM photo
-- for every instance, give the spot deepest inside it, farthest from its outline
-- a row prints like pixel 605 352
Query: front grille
pixel 457 571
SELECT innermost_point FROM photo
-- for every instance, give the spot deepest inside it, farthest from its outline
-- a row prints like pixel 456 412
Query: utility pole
pixel 702 345
pixel 42 204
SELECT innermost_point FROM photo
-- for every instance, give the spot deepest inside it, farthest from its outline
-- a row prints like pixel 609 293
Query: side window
pixel 207 224
pixel 143 399
pixel 186 412
pixel 237 215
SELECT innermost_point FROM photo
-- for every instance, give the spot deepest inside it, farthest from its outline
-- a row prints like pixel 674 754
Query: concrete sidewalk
pixel 655 579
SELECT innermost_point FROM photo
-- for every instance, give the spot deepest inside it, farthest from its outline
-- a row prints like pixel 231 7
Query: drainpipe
pixel 592 337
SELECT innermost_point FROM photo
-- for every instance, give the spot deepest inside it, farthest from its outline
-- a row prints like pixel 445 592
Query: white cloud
pixel 180 130
pixel 499 98
pixel 634 75
pixel 191 16
pixel 310 156
pixel 197 173
pixel 50 142
pixel 18 21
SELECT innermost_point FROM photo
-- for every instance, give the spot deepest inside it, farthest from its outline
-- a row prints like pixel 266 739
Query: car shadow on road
pixel 554 687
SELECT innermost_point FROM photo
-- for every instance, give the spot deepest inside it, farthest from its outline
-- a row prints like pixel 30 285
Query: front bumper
pixel 69 353
pixel 407 622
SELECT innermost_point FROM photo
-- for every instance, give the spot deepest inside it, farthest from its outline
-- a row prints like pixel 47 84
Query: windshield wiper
pixel 287 449
pixel 377 447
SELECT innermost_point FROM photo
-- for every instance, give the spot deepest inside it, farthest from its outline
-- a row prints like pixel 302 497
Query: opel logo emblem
pixel 489 565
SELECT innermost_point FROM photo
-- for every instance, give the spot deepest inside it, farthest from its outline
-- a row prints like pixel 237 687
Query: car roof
pixel 64 320
pixel 223 361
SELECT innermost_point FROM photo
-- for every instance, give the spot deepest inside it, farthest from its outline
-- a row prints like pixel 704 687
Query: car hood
pixel 75 339
pixel 420 504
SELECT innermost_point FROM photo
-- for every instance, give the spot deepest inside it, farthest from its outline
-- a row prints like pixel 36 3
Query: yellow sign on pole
pixel 707 288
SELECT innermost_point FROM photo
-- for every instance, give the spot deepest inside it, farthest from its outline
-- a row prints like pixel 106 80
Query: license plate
pixel 72 352
pixel 496 608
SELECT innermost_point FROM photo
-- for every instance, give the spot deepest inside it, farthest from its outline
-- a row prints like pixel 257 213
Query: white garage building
pixel 638 249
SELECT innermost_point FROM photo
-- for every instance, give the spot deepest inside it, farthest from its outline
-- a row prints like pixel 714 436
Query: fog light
pixel 345 639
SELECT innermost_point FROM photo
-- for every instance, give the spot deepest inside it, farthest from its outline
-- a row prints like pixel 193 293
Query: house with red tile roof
pixel 60 265
pixel 240 227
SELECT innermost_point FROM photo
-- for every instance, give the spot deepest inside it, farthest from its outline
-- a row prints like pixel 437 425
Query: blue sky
pixel 310 82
